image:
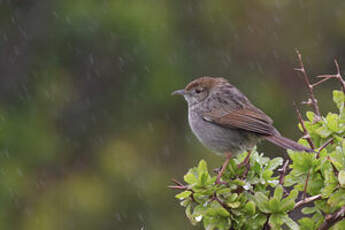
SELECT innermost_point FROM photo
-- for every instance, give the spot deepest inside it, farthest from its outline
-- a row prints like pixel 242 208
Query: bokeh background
pixel 89 134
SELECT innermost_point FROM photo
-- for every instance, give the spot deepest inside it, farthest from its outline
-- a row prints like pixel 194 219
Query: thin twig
pixel 337 76
pixel 307 200
pixel 267 225
pixel 329 141
pixel 178 185
pixel 176 181
pixel 306 185
pixel 181 186
pixel 319 82
pixel 333 166
pixel 310 87
pixel 215 197
pixel 305 131
pixel 283 171
pixel 220 202
pixel 332 219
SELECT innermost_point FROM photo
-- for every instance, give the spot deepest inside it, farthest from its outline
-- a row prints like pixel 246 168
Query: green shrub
pixel 263 196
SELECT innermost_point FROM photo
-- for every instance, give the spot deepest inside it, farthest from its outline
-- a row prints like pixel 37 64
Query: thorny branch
pixel 312 100
pixel 336 76
pixel 332 219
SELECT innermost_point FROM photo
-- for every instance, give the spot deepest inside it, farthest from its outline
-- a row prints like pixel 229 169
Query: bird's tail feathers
pixel 287 143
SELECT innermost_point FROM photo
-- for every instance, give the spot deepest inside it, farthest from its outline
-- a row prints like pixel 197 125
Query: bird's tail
pixel 287 143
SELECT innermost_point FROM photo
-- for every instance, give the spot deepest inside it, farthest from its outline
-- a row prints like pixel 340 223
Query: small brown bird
pixel 225 121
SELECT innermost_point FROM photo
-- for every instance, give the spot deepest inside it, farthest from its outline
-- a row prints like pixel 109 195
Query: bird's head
pixel 199 89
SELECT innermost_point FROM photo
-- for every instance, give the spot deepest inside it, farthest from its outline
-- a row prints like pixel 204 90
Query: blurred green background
pixel 89 134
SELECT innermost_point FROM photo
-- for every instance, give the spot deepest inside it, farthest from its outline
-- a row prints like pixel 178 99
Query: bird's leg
pixel 246 160
pixel 226 162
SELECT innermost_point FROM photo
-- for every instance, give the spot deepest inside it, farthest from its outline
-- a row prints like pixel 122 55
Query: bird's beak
pixel 179 92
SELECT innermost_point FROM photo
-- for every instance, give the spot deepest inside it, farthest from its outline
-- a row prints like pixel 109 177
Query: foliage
pixel 258 198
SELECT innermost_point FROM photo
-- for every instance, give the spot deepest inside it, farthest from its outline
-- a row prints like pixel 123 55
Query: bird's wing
pixel 250 119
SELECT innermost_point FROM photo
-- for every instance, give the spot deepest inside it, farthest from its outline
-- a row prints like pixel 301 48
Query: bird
pixel 226 122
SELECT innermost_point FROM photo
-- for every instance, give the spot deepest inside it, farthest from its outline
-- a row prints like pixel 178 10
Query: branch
pixel 307 200
pixel 332 219
pixel 336 76
pixel 330 141
pixel 312 100
pixel 339 77
pixel 333 166
pixel 283 171
pixel 306 185
pixel 305 131
pixel 178 185
pixel 267 225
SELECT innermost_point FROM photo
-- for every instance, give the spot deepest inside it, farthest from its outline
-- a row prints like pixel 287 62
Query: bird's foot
pixel 220 173
pixel 245 162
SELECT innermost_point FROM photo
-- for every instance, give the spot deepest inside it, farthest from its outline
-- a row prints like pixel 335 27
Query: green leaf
pixel 339 98
pixel 310 115
pixel 338 156
pixel 274 205
pixel 183 195
pixel 302 161
pixel 337 199
pixel 308 210
pixel 341 178
pixel 234 204
pixel 330 180
pixel 275 163
pixel 216 209
pixel 332 121
pixel 278 192
pixel 261 202
pixel 323 131
pixel 276 221
pixel 288 203
pixel 267 174
pixel 224 191
pixel 306 224
pixel 189 215
pixel 232 197
pixel 202 166
pixel 327 190
pixel 339 226
pixel 316 183
pixel 289 222
pixel 250 208
pixel 203 178
pixel 190 178
pixel 219 223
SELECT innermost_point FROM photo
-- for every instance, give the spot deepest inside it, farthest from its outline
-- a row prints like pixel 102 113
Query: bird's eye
pixel 198 90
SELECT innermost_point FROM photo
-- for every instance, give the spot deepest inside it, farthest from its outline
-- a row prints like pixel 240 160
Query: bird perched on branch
pixel 226 122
